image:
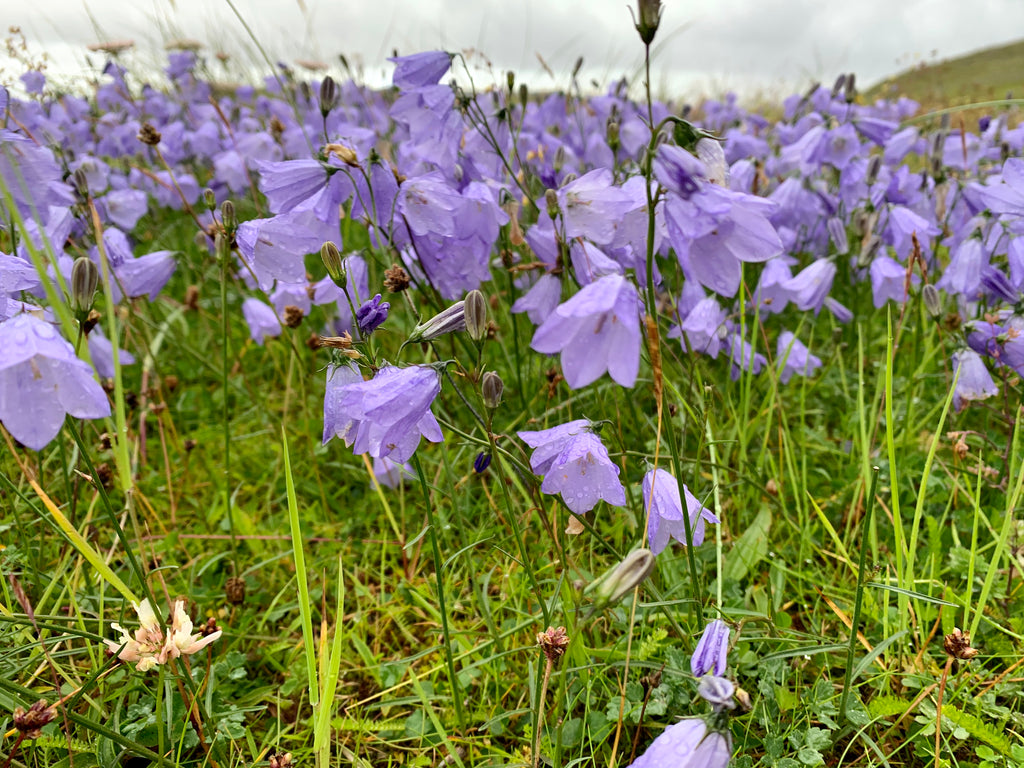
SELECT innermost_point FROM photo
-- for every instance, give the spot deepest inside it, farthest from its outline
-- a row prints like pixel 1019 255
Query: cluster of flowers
pixel 148 647
pixel 696 741
pixel 828 192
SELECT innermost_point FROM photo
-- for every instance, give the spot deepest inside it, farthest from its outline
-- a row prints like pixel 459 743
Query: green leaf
pixel 750 548
pixel 977 728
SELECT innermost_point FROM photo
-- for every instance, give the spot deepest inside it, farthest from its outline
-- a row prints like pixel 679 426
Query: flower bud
pixel 227 216
pixel 577 67
pixel 81 183
pixel 718 692
pixel 491 387
pixel 710 654
pixel 612 134
pixel 932 301
pixel 851 88
pixel 624 577
pixel 553 642
pixel 209 198
pixel 874 166
pixel 551 199
pixel 328 95
pixel 371 314
pixel 837 231
pixel 838 87
pixel 332 261
pixel 510 80
pixel 649 12
pixel 481 462
pixel 475 307
pixel 686 135
pixel 85 276
pixel 524 95
pixel 448 320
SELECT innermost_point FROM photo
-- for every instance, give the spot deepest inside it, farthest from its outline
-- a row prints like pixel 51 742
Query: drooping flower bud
pixel 448 320
pixel 85 276
pixel 624 577
pixel 492 387
pixel 328 95
pixel 718 692
pixel 476 315
pixel 649 12
pixel 331 257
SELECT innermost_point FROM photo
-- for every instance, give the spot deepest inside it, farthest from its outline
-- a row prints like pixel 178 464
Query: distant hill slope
pixel 984 75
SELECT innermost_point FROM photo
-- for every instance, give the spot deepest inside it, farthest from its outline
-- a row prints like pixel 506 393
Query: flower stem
pixel 435 550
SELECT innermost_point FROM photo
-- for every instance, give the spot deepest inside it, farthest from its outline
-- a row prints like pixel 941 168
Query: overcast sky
pixel 703 45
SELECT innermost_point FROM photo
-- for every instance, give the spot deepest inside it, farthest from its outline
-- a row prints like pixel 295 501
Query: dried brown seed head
pixel 149 135
pixel 553 641
pixel 29 722
pixel 958 645
pixel 396 279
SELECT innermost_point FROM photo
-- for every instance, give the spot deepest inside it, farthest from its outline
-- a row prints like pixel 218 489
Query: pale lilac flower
pixel 809 287
pixel 387 415
pixel 597 330
pixel 665 511
pixel 101 352
pixel 391 474
pixel 584 474
pixel 592 206
pixel 719 692
pixel 262 321
pixel 973 381
pixel 687 744
pixel 712 649
pixel 704 327
pixel 41 380
pixel 793 356
pixel 541 300
pixel 548 443
pixel 420 69
pixel 888 280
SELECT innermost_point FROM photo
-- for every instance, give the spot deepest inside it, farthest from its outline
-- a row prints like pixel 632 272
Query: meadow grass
pixel 346 655
pixel 863 519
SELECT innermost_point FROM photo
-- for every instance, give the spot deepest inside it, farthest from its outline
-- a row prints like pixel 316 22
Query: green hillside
pixel 980 76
